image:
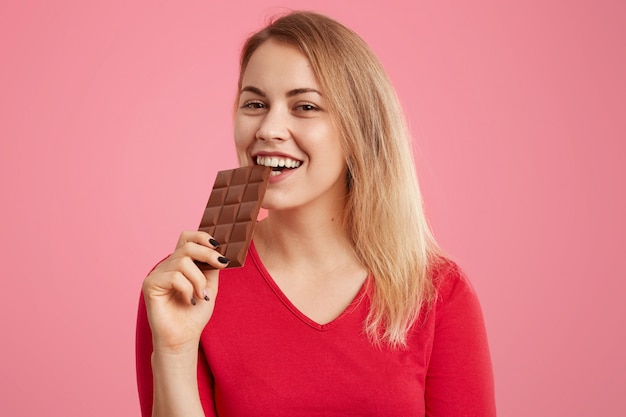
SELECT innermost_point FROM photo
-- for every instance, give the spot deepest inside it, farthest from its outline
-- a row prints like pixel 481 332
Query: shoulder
pixel 453 288
pixel 448 278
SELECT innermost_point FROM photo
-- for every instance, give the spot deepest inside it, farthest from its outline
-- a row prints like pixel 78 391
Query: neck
pixel 294 239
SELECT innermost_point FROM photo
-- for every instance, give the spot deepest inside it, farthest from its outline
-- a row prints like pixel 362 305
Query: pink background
pixel 115 117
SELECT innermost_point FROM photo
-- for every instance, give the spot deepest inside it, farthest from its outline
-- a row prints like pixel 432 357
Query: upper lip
pixel 276 159
pixel 276 154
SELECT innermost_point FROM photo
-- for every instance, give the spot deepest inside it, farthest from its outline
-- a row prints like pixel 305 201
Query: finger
pixel 195 276
pixel 201 253
pixel 196 236
pixel 205 282
pixel 182 285
pixel 167 283
pixel 184 261
pixel 212 281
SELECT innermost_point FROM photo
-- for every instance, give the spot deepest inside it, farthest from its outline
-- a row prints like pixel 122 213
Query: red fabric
pixel 259 356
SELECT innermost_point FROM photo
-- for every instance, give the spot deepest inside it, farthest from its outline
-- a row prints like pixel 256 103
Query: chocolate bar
pixel 231 212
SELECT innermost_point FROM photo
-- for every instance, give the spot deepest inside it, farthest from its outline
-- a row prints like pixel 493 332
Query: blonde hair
pixel 384 213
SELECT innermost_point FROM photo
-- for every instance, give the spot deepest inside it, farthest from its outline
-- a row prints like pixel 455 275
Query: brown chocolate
pixel 231 212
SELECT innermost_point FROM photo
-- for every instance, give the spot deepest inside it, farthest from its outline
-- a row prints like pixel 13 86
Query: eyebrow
pixel 290 93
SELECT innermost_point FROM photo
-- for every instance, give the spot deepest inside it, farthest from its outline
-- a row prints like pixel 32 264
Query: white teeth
pixel 275 162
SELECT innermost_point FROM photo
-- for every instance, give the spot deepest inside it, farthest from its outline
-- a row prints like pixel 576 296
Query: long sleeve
pixel 459 381
pixel 143 361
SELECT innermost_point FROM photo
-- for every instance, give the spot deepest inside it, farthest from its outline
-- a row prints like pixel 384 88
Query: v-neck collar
pixel 254 255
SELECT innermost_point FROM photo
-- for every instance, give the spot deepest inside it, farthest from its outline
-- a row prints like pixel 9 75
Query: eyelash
pixel 311 107
pixel 254 105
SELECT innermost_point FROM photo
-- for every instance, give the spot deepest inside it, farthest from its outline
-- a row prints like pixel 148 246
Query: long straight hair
pixel 384 213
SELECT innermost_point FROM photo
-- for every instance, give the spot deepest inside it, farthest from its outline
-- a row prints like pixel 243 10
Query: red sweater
pixel 260 356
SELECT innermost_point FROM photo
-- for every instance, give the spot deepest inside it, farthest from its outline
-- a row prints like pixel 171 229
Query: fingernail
pixel 206 297
pixel 214 242
pixel 193 301
pixel 223 260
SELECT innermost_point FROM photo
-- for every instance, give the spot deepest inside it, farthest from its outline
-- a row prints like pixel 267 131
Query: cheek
pixel 244 136
pixel 333 147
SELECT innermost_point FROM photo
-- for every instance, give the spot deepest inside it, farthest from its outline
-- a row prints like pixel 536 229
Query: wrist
pixel 174 349
pixel 176 354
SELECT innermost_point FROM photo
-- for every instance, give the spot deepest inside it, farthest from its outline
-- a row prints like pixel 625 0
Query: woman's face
pixel 282 122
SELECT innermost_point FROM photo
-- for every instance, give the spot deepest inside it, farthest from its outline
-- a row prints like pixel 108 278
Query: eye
pixel 253 105
pixel 307 107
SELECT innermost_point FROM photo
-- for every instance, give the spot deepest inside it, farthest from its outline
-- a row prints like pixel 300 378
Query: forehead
pixel 276 64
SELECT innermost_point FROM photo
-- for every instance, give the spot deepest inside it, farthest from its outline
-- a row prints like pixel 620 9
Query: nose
pixel 274 126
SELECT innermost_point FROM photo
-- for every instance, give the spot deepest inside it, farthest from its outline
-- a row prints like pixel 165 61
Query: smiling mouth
pixel 278 163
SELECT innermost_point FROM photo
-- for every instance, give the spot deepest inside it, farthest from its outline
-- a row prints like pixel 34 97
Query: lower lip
pixel 283 174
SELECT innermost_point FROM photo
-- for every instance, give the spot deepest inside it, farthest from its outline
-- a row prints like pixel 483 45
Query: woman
pixel 345 305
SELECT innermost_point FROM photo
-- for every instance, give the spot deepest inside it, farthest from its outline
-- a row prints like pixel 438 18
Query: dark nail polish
pixel 193 301
pixel 214 242
pixel 223 260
